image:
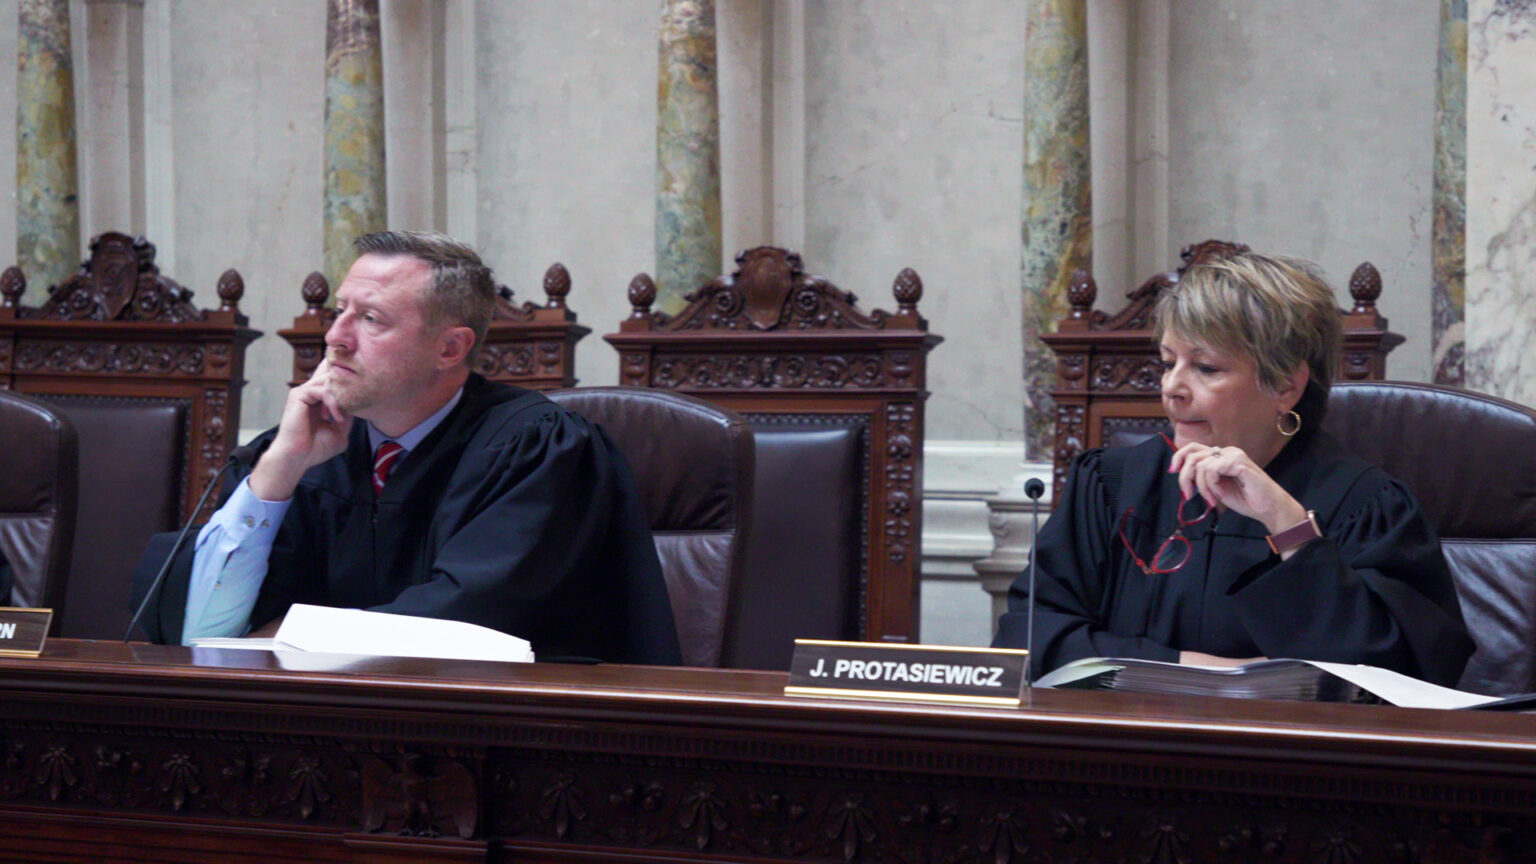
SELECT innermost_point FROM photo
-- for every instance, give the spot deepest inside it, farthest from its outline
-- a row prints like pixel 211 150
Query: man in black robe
pixel 398 481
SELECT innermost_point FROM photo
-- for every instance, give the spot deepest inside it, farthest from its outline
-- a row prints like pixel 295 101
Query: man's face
pixel 383 351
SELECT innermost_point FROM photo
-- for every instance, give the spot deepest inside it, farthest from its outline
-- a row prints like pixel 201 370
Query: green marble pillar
pixel 1058 210
pixel 354 130
pixel 687 153
pixel 1449 245
pixel 47 203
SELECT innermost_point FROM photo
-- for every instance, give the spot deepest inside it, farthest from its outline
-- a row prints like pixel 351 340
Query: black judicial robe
pixel 1376 589
pixel 514 514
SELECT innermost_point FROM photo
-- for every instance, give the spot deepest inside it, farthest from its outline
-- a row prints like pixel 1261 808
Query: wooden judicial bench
pixel 132 752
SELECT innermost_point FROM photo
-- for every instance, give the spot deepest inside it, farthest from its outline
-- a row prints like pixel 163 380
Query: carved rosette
pixel 149 359
pixel 900 484
pixel 506 359
pixel 306 358
pixel 1120 374
pixel 768 372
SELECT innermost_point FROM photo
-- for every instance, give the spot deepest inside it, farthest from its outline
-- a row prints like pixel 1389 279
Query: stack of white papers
pixel 323 629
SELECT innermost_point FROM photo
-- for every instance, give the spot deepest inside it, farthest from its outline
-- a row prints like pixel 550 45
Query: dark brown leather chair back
pixel 693 463
pixel 1471 461
pixel 37 503
pixel 152 384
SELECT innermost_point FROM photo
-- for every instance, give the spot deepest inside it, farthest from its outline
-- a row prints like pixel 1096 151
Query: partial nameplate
pixel 23 631
pixel 872 670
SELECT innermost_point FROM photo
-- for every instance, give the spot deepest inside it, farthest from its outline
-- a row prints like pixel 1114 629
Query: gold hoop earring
pixel 1280 424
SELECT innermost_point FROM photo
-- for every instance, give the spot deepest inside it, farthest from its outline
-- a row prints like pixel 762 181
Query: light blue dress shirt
pixel 232 549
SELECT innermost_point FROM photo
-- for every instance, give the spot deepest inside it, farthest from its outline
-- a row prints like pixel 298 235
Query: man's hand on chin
pixel 314 428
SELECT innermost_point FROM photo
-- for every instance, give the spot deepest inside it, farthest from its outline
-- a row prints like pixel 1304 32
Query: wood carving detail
pixel 805 814
pixel 900 485
pixel 148 359
pixel 421 799
pixel 769 290
pixel 769 371
pixel 1071 435
pixel 120 282
pixel 1136 374
pixel 198 777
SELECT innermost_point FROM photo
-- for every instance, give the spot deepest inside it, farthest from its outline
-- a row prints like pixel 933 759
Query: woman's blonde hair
pixel 1277 312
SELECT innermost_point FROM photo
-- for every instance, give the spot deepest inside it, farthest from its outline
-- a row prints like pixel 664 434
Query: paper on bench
pixel 355 631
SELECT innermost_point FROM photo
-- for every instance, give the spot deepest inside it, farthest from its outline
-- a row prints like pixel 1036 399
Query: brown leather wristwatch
pixel 1304 531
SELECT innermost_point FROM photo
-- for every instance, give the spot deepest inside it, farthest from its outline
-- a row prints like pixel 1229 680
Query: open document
pixel 1300 680
pixel 323 629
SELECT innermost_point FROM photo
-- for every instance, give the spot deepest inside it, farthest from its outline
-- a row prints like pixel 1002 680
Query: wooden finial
pixel 1082 291
pixel 231 289
pixel 315 292
pixel 557 284
pixel 908 289
pixel 1365 287
pixel 13 283
pixel 642 293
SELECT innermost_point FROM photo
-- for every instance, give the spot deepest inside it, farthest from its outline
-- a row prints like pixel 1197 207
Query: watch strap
pixel 1302 532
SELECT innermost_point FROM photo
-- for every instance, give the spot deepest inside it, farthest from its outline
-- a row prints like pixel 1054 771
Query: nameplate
pixel 938 673
pixel 23 631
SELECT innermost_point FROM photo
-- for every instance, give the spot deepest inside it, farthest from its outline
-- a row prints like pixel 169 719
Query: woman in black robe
pixel 1250 533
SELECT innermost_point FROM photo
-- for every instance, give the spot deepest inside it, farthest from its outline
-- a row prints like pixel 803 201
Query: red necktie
pixel 384 459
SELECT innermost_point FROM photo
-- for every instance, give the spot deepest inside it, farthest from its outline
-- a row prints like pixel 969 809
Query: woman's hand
pixel 1227 477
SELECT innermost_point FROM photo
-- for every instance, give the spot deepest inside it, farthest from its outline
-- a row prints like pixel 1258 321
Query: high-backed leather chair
pixel 836 397
pixel 1471 461
pixel 1108 389
pixel 693 463
pixel 152 386
pixel 37 504
pixel 529 345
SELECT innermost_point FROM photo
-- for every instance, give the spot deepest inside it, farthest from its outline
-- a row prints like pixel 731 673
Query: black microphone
pixel 241 456
pixel 1034 487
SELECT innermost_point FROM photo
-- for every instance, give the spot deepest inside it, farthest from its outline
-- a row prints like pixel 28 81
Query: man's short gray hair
pixel 463 292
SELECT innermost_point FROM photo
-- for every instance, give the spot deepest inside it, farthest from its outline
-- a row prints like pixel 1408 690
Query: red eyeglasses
pixel 1175 551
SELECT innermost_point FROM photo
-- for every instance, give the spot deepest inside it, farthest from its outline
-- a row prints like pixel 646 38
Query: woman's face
pixel 1214 398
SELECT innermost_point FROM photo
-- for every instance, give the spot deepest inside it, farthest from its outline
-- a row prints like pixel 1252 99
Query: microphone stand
pixel 241 456
pixel 1033 489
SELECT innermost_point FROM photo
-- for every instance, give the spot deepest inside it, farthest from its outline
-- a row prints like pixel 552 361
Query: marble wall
pixel 1290 132
pixel 1501 199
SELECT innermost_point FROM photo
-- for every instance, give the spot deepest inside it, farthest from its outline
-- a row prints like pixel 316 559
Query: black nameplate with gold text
pixel 871 670
pixel 23 631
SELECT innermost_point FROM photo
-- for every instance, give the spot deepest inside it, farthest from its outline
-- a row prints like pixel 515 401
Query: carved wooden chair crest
pixel 1108 378
pixel 152 385
pixel 528 345
pixel 835 396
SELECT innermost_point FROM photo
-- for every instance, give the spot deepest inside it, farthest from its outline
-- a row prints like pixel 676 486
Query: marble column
pixel 1058 208
pixel 1449 244
pixel 47 184
pixel 687 152
pixel 1500 323
pixel 354 131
